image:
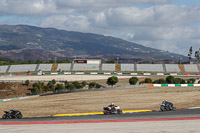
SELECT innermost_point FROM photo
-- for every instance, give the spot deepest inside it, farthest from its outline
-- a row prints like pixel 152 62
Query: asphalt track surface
pixel 182 113
pixel 180 121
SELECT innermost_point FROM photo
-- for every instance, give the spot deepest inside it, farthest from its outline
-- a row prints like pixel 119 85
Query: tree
pixel 112 80
pixel 148 80
pixel 190 81
pixel 84 83
pixel 77 85
pixel 70 86
pixel 133 80
pixel 177 80
pixel 160 81
pixel 170 80
pixel 111 61
pixel 50 86
pixel 60 88
pixel 197 55
pixel 199 82
pixel 190 53
pixel 94 85
pixel 27 82
pixel 183 81
pixel 53 81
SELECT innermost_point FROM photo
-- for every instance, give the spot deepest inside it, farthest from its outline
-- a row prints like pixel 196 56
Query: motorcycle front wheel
pixel 162 108
pixel 5 116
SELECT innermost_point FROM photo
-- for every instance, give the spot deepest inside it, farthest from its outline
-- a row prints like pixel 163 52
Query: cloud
pixel 49 7
pixel 71 23
pixel 154 23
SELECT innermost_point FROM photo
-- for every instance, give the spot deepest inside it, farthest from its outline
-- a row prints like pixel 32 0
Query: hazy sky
pixel 172 25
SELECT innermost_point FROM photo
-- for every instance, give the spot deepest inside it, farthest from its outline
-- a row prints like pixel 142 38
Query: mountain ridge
pixel 23 42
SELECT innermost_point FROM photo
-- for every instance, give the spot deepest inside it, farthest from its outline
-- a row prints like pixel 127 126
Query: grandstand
pixel 128 67
pixel 44 67
pixel 64 67
pixel 3 69
pixel 22 68
pixel 191 68
pixel 108 67
pixel 85 67
pixel 183 68
pixel 150 68
pixel 172 68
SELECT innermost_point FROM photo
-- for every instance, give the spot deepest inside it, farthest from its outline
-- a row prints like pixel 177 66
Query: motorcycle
pixel 12 114
pixel 164 107
pixel 112 110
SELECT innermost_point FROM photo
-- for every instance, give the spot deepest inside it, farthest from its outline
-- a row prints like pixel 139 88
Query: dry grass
pixel 127 99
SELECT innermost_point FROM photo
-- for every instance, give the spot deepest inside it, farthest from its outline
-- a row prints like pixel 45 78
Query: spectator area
pixel 3 69
pixel 22 68
pixel 127 67
pixel 150 68
pixel 85 67
pixel 172 68
pixel 108 67
pixel 191 68
pixel 64 67
pixel 44 67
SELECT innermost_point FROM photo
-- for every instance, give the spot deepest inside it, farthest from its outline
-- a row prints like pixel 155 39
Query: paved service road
pixel 149 122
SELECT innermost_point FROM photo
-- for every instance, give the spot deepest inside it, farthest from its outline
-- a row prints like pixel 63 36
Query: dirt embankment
pixel 10 90
pixel 127 99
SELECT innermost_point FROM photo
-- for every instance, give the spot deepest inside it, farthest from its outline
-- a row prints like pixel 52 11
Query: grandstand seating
pixel 64 67
pixel 191 68
pixel 85 67
pixel 22 68
pixel 44 67
pixel 172 68
pixel 108 67
pixel 127 67
pixel 150 67
pixel 3 69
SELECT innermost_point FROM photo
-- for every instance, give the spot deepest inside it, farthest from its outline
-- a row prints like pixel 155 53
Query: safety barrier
pixel 9 99
pixel 111 73
pixel 172 85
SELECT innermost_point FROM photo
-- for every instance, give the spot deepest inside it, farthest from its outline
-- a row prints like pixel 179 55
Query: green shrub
pixel 148 80
pixel 53 81
pixel 199 82
pixel 94 85
pixel 36 91
pixel 112 80
pixel 170 80
pixel 27 82
pixel 70 86
pixel 65 82
pixel 177 80
pixel 60 88
pixel 160 81
pixel 133 80
pixel 190 81
pixel 183 81
pixel 84 83
pixel 77 85
pixel 141 82
pixel 50 86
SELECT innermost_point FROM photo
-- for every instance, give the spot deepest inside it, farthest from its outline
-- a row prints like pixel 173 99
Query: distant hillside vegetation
pixel 23 42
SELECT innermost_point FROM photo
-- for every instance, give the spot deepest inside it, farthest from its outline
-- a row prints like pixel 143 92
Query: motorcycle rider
pixel 13 112
pixel 167 104
pixel 112 107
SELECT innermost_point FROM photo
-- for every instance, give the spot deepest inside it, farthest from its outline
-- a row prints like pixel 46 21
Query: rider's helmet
pixel 112 104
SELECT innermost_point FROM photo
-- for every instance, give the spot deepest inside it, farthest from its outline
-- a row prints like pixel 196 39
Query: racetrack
pixel 184 121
